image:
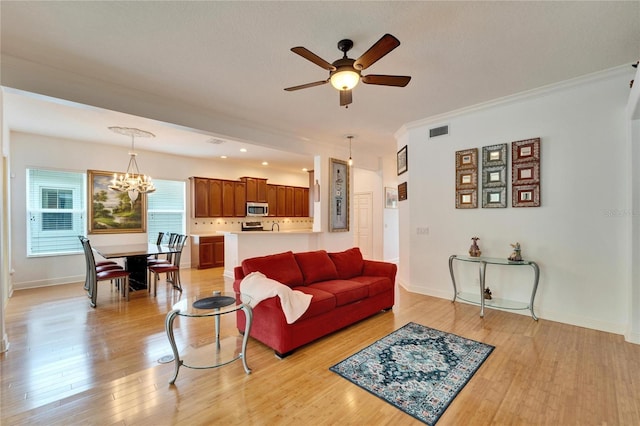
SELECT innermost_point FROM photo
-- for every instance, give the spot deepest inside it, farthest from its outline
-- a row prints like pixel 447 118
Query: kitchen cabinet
pixel 207 252
pixel 256 189
pixel 200 191
pixel 215 198
pixel 305 202
pixel 298 202
pixel 228 198
pixel 289 201
pixel 240 199
pixel 281 210
pixel 272 199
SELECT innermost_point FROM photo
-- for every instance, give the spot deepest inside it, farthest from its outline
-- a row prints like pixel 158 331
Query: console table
pixel 211 305
pixel 496 302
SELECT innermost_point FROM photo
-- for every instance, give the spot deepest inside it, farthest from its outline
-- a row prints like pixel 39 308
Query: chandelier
pixel 132 182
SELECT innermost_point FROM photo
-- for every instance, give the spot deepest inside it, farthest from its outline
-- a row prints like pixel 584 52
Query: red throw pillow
pixel 316 266
pixel 281 267
pixel 349 263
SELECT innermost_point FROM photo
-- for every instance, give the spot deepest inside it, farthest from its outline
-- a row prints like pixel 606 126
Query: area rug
pixel 416 368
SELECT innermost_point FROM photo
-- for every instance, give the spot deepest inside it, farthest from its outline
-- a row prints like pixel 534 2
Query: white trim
pixel 541 91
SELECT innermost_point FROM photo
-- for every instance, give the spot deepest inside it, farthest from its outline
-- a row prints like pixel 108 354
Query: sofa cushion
pixel 316 266
pixel 281 267
pixel 344 291
pixel 348 263
pixel 321 302
pixel 376 285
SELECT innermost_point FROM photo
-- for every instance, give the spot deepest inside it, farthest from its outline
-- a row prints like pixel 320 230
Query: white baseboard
pixel 48 282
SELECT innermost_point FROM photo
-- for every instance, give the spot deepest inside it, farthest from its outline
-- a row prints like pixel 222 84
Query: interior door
pixel 363 230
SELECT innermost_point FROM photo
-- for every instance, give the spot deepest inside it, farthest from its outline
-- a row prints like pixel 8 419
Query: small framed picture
pixel 390 198
pixel 467 199
pixel 402 191
pixel 494 197
pixel 526 196
pixel 403 165
pixel 467 159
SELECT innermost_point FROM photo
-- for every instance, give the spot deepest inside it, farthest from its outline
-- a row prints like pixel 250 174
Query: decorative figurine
pixel 474 250
pixel 515 255
pixel 487 293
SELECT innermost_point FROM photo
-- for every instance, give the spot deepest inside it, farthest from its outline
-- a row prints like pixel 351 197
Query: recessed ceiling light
pixel 243 149
pixel 223 156
pixel 264 163
pixel 304 169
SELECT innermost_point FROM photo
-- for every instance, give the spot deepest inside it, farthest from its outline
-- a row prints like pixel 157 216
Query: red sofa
pixel 345 287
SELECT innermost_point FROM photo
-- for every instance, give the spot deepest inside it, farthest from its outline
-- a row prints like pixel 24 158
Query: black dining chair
pixel 100 266
pixel 172 269
pixel 95 274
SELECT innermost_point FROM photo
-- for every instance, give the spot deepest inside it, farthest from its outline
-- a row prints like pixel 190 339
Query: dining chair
pixel 95 274
pixel 102 265
pixel 172 269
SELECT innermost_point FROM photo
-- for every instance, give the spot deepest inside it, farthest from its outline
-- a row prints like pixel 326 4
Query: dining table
pixel 135 256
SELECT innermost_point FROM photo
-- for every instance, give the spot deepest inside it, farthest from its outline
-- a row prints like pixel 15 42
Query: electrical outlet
pixel 423 231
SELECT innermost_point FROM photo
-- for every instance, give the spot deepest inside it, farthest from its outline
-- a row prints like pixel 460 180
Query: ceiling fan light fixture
pixel 345 79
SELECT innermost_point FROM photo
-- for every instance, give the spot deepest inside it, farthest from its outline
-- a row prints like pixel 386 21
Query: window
pixel 166 209
pixel 56 209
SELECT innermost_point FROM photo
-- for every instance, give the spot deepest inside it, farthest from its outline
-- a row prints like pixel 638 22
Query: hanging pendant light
pixel 350 137
pixel 132 182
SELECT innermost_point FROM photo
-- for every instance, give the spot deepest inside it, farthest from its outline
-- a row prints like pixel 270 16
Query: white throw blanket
pixel 258 287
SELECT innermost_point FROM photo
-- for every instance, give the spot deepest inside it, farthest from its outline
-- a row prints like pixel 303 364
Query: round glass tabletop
pixel 211 304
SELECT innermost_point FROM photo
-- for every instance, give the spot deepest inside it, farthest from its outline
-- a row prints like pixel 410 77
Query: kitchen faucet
pixel 275 224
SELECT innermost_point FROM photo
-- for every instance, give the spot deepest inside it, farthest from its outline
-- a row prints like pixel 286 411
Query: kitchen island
pixel 240 245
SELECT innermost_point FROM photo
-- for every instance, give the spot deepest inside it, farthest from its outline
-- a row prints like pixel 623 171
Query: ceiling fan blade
pixel 304 86
pixel 345 97
pixel 310 56
pixel 386 80
pixel 381 47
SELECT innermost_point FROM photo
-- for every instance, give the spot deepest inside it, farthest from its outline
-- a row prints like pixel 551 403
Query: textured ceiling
pixel 232 59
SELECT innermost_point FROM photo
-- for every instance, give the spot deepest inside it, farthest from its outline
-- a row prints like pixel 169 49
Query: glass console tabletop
pixel 210 305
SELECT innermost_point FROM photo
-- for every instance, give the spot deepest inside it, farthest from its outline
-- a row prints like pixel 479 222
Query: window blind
pixel 166 209
pixel 56 212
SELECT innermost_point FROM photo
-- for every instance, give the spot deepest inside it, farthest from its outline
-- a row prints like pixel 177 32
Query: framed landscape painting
pixel 112 212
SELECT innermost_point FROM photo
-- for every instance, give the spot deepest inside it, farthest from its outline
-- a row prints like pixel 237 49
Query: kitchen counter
pixel 240 245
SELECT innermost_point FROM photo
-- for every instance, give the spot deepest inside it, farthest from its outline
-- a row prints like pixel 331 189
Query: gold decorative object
pixel 474 250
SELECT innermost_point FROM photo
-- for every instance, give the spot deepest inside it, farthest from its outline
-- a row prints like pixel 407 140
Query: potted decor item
pixel 474 250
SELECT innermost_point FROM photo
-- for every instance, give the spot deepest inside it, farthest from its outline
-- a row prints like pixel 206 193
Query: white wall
pixel 28 150
pixel 578 236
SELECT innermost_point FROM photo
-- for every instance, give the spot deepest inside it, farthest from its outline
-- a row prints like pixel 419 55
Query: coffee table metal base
pixel 178 362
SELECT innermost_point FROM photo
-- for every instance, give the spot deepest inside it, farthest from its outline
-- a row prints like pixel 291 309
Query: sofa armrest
pixel 374 268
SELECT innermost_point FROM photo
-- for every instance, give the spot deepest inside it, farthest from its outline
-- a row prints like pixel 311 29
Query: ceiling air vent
pixel 438 131
pixel 215 141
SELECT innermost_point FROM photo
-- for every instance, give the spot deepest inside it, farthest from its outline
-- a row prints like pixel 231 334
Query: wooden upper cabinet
pixel 306 203
pixel 272 199
pixel 298 202
pixel 256 189
pixel 228 198
pixel 289 201
pixel 215 198
pixel 240 195
pixel 281 209
pixel 200 188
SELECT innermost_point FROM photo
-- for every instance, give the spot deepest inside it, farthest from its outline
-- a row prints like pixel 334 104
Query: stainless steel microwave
pixel 257 209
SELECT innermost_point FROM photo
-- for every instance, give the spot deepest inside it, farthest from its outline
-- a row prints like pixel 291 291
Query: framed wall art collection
pixel 525 175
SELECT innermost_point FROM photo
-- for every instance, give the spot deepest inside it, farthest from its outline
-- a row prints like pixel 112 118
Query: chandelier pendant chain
pixel 132 182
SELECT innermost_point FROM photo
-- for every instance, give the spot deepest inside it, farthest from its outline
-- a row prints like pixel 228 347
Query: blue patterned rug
pixel 416 368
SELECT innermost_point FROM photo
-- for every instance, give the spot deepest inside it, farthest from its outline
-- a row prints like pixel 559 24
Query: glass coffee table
pixel 209 305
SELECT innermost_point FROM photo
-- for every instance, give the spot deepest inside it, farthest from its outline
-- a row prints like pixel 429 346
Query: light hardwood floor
pixel 71 364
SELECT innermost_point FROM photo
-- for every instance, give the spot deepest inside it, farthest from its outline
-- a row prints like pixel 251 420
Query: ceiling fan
pixel 345 73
